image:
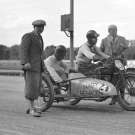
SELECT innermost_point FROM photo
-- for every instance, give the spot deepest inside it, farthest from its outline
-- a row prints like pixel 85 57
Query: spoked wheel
pixel 47 94
pixel 127 97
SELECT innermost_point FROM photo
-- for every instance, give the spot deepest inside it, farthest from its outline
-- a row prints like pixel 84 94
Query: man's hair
pixel 49 50
pixel 60 50
pixel 112 27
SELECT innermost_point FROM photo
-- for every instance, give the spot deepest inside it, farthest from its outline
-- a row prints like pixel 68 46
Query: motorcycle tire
pixel 125 99
pixel 47 95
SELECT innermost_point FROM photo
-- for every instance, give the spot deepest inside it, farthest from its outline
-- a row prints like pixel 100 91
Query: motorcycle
pixel 112 79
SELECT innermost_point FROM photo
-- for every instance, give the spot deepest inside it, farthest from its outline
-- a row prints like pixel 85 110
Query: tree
pixel 14 52
pixel 4 52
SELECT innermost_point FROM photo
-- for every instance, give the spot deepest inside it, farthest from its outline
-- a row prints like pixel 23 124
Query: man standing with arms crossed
pixel 32 63
pixel 114 45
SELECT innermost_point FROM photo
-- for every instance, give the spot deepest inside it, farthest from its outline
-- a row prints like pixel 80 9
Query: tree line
pixel 9 53
pixel 13 52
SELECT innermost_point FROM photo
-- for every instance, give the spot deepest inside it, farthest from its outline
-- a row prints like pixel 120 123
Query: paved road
pixel 87 118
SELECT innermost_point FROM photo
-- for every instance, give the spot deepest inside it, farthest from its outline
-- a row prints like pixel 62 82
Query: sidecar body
pixel 82 86
pixel 79 87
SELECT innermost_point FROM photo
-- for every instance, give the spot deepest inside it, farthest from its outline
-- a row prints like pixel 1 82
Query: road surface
pixel 86 118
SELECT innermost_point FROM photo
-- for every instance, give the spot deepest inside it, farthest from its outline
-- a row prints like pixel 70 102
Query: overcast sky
pixel 16 17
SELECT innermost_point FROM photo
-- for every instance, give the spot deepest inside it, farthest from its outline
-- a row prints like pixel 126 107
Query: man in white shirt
pixel 56 67
pixel 89 52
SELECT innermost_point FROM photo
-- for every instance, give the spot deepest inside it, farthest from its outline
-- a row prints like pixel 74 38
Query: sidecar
pixel 77 87
pixel 98 87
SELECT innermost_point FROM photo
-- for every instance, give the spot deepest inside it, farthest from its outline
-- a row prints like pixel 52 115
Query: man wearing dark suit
pixel 114 45
pixel 32 63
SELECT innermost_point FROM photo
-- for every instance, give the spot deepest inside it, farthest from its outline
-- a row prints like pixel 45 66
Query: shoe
pixel 37 109
pixel 35 113
pixel 113 101
pixel 28 111
pixel 63 92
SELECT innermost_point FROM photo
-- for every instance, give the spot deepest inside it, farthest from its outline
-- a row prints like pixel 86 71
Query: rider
pixel 114 45
pixel 89 52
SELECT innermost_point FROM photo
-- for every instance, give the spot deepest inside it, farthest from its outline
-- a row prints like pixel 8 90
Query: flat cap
pixel 39 23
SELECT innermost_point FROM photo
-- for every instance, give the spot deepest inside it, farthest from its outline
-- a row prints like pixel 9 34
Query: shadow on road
pixel 94 107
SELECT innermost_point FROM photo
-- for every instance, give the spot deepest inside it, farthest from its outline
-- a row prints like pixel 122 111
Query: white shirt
pixel 84 53
pixel 54 67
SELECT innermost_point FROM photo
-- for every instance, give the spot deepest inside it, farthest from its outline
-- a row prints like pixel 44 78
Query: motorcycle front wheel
pixel 127 96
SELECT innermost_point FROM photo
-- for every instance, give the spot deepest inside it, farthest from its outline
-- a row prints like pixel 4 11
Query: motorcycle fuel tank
pixel 90 87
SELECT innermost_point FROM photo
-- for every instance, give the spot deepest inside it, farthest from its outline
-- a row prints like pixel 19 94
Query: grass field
pixel 10 64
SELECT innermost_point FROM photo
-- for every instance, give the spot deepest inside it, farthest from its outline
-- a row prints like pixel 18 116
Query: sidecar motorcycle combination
pixel 108 81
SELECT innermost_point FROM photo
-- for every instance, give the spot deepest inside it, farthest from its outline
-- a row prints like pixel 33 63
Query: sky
pixel 16 17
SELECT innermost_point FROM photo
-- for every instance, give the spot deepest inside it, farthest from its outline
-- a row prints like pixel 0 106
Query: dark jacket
pixel 32 51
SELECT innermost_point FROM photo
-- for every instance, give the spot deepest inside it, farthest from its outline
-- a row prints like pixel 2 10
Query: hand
pixel 27 66
pixel 97 58
pixel 107 57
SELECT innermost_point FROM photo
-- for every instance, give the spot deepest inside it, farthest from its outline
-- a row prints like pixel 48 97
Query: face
pixel 113 32
pixel 92 41
pixel 60 56
pixel 39 29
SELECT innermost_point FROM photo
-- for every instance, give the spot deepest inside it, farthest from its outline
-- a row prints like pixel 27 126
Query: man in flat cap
pixel 87 53
pixel 32 63
pixel 114 45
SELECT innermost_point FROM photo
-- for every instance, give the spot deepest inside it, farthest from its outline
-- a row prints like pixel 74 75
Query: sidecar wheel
pixel 73 101
pixel 47 94
pixel 127 98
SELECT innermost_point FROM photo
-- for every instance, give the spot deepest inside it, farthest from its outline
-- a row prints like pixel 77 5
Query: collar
pixel 35 33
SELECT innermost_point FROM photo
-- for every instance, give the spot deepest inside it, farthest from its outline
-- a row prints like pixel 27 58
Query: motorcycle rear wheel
pixel 127 99
pixel 47 94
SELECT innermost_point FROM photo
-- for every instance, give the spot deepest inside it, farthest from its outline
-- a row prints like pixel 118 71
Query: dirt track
pixel 87 118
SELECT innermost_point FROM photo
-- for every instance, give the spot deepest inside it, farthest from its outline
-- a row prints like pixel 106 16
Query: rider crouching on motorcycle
pixel 55 66
pixel 89 52
pixel 57 69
